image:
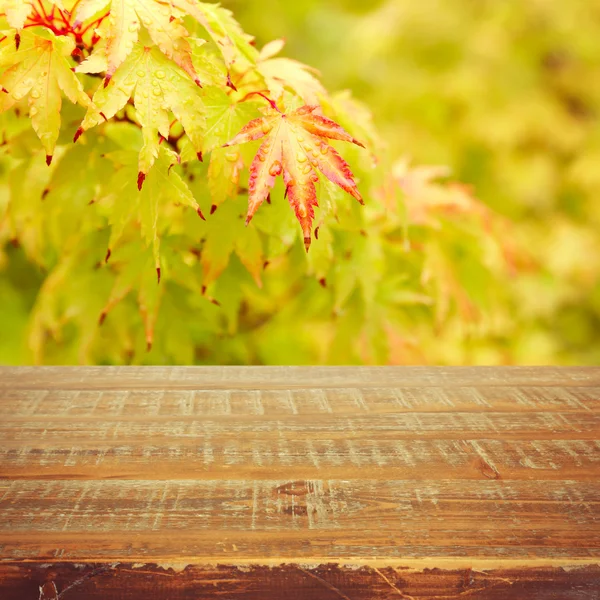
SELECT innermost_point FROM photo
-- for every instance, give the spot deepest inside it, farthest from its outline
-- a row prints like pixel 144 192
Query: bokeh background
pixel 506 94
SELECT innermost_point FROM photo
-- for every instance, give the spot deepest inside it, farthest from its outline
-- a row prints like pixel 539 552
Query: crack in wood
pixel 393 586
pixel 325 583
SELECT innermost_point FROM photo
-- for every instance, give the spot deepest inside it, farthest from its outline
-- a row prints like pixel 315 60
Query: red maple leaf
pixel 295 147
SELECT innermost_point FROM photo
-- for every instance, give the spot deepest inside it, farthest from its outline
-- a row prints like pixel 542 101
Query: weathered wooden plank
pixel 193 403
pixel 303 483
pixel 129 581
pixel 295 457
pixel 264 547
pixel 107 378
pixel 401 426
pixel 273 519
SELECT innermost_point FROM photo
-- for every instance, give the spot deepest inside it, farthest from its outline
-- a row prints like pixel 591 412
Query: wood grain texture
pixel 299 482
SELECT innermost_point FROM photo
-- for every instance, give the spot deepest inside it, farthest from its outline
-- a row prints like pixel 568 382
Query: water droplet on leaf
pixel 275 169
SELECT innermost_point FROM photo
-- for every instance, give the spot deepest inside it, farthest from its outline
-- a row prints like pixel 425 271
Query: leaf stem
pixel 95 23
pixel 65 20
pixel 41 5
pixel 262 95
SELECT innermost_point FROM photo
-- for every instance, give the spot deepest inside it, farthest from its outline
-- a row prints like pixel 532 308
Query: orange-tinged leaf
pixel 321 126
pixel 294 147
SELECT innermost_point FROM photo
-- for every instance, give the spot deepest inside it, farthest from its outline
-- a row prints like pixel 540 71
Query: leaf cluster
pixel 175 131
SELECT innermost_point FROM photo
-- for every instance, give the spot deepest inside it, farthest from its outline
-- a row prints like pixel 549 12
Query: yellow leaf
pixel 39 71
pixel 125 20
pixel 157 85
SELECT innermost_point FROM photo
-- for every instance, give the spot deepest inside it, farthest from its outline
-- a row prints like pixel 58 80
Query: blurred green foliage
pixel 507 94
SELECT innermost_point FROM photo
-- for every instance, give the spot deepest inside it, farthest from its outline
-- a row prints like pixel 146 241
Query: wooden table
pixel 299 483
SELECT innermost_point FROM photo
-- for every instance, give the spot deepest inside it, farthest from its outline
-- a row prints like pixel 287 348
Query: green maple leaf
pixel 224 117
pixel 164 185
pixel 133 275
pixel 39 70
pixel 225 234
pixel 158 88
pixel 229 37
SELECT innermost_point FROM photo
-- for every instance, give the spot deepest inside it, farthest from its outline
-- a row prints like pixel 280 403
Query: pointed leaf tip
pixel 230 83
pixel 323 282
pixel 158 274
pixel 148 346
pixel 78 134
pixel 199 212
pixel 17 40
pixel 307 241
pixel 108 253
pixel 48 159
pixel 107 80
pixel 102 317
pixel 200 157
pixel 213 208
pixel 140 180
pixel 4 89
